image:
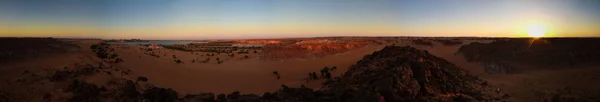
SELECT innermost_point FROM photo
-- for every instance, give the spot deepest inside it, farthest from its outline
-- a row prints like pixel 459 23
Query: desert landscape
pixel 308 69
pixel 299 51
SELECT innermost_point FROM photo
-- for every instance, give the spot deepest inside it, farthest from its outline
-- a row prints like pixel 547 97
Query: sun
pixel 536 31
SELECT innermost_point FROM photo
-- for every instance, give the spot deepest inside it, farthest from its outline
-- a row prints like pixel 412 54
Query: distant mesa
pixel 315 48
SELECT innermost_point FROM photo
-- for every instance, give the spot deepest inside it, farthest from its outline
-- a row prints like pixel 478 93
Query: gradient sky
pixel 210 19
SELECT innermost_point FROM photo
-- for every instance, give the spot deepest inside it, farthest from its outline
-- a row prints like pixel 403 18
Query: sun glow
pixel 536 31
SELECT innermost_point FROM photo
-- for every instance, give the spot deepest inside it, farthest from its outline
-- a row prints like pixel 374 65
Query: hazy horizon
pixel 258 19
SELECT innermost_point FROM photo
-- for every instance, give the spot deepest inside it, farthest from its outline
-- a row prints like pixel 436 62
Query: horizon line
pixel 296 37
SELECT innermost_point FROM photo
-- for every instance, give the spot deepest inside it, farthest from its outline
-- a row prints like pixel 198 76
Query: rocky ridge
pixel 409 74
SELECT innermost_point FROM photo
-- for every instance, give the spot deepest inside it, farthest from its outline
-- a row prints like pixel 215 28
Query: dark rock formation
pixel 60 75
pixel 233 95
pixel 128 92
pixel 406 74
pixel 202 97
pixel 221 98
pixel 84 92
pixel 207 97
pixel 160 95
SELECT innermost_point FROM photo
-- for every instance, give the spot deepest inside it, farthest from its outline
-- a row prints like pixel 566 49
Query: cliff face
pixel 407 74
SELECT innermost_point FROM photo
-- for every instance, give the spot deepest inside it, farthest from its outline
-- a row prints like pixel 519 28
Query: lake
pixel 160 42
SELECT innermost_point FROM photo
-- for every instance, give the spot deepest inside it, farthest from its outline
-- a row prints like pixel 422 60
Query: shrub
pixel 178 61
pixel 114 55
pixel 324 71
pixel 94 46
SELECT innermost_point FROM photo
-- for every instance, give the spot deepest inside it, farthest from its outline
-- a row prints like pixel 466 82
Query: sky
pixel 239 19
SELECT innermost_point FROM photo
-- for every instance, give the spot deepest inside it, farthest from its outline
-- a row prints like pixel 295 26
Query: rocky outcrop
pixel 64 74
pixel 285 94
pixel 160 95
pixel 121 90
pixel 407 74
pixel 84 92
